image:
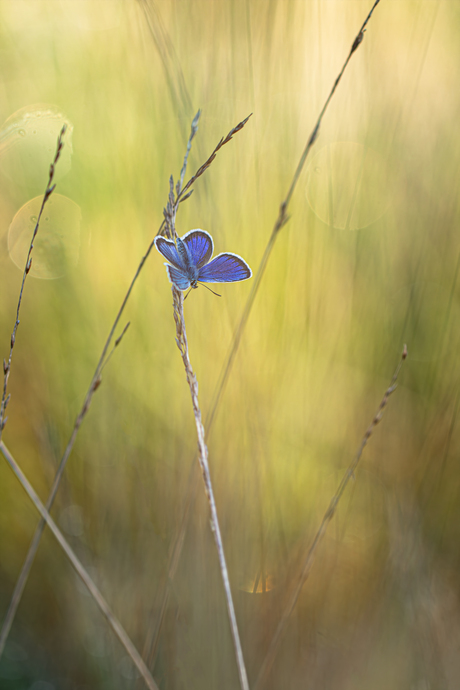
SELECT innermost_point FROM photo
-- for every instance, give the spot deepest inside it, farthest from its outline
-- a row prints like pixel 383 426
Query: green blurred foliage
pixel 369 260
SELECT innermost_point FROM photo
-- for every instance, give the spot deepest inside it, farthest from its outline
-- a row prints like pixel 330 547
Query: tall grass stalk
pixel 281 220
pixel 7 364
pixel 181 341
pixel 329 514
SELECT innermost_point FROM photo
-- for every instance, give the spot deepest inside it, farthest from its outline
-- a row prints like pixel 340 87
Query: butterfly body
pixel 189 261
pixel 191 270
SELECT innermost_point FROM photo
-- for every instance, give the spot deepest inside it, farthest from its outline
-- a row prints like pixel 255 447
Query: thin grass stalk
pixel 329 514
pixel 182 344
pixel 81 572
pixel 282 219
pixel 7 364
pixel 170 212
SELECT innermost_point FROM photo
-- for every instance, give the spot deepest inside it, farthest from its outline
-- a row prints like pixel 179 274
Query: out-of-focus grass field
pixel 368 261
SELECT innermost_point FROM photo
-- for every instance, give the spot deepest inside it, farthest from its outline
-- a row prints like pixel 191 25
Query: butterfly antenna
pixel 208 288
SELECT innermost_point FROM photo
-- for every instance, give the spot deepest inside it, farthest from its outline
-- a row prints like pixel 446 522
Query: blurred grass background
pixel 368 261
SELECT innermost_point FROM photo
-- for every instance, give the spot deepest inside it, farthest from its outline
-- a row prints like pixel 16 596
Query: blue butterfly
pixel 189 261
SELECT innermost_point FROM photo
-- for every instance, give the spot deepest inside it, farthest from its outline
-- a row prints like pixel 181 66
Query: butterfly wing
pixel 168 249
pixel 225 268
pixel 178 277
pixel 200 246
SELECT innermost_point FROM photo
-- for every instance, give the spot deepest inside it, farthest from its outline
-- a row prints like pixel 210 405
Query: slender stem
pixel 329 514
pixel 281 220
pixel 314 135
pixel 81 572
pixel 7 364
pixel 170 213
pixel 181 339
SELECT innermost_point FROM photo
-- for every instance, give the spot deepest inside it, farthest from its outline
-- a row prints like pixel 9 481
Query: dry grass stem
pixel 81 572
pixel 181 340
pixel 202 169
pixel 170 213
pixel 281 220
pixel 329 514
pixel 183 193
pixel 7 364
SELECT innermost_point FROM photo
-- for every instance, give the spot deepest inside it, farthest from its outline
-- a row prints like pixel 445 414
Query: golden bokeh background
pixel 368 261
